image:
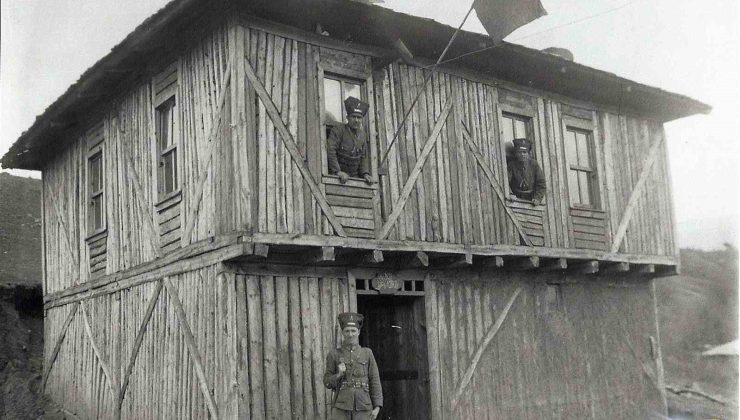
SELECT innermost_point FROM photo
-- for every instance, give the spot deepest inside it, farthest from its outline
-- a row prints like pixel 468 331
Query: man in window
pixel 526 179
pixel 348 150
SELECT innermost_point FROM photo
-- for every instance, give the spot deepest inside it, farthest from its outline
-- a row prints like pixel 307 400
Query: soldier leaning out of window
pixel 526 179
pixel 352 373
pixel 348 150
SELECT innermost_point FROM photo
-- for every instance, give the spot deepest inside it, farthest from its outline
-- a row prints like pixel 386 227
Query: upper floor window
pixel 514 127
pixel 166 133
pixel 346 124
pixel 96 207
pixel 336 90
pixel 581 167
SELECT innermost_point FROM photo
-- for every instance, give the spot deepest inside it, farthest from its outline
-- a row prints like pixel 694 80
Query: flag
pixel 502 17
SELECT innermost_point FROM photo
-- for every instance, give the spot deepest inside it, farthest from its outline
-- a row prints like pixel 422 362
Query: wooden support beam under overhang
pixel 354 257
pixel 453 261
pixel 262 249
pixel 618 267
pixel 554 264
pixel 584 267
pixel 492 262
pixel 644 268
pixel 320 255
pixel 523 263
pixel 418 259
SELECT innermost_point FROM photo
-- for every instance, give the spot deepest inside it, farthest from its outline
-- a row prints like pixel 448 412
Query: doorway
pixel 395 330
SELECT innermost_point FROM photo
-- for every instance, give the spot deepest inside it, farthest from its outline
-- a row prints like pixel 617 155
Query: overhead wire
pixel 440 61
pixel 573 22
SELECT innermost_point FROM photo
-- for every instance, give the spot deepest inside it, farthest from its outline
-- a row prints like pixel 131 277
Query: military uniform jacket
pixel 526 179
pixel 359 388
pixel 347 151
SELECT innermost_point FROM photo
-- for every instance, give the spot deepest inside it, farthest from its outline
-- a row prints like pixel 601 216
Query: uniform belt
pixel 354 384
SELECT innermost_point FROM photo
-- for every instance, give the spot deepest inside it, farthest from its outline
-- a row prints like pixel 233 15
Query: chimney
pixel 560 52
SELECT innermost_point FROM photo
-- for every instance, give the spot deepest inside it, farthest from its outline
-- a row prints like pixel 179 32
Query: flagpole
pixel 426 81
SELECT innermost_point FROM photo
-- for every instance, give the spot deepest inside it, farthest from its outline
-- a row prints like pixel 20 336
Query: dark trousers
pixel 337 414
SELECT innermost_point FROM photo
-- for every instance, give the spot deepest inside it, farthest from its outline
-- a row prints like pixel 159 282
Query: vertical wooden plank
pixel 453 158
pixel 297 181
pixel 392 170
pixel 309 410
pixel 256 360
pixel 282 303
pixel 303 134
pixel 547 162
pixel 269 347
pixel 296 349
pixel 278 98
pixel 560 157
pixel 432 322
pixel 462 163
pixel 317 353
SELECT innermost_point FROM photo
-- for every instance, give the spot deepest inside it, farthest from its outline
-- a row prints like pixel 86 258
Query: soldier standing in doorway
pixel 526 179
pixel 348 150
pixel 352 373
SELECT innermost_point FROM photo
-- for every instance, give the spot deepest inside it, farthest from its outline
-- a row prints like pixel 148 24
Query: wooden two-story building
pixel 197 251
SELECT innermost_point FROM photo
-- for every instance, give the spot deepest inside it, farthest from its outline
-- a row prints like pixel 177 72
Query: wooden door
pixel 395 330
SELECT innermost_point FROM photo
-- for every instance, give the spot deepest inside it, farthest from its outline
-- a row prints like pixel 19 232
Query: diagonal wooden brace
pixel 496 187
pixel 291 146
pixel 411 181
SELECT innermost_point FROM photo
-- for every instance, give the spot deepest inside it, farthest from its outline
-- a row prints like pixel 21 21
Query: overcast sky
pixel 689 47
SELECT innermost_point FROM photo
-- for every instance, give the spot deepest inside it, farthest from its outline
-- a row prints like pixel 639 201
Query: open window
pixel 337 88
pixel 341 75
pixel 515 126
pixel 517 120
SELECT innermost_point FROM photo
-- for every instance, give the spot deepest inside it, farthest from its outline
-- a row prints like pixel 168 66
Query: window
pixel 336 90
pixel 514 127
pixel 96 207
pixel 166 132
pixel 580 164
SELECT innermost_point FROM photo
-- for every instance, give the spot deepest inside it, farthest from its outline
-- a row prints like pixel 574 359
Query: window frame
pixel 578 125
pixel 352 68
pixel 522 112
pixel 95 153
pixel 164 150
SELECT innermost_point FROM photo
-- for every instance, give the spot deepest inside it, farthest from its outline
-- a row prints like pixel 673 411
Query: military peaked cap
pixel 350 319
pixel 522 144
pixel 355 106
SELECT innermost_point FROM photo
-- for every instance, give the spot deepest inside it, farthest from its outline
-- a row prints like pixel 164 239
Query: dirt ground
pixel 21 356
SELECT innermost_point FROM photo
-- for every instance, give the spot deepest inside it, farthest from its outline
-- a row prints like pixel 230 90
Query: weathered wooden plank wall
pixel 129 144
pixel 572 350
pixel 163 382
pixel 288 325
pixel 626 141
pixel 453 201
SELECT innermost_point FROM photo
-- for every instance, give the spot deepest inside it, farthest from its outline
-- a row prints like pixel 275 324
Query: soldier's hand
pixel 343 177
pixel 369 179
pixel 536 202
pixel 342 368
pixel 374 413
